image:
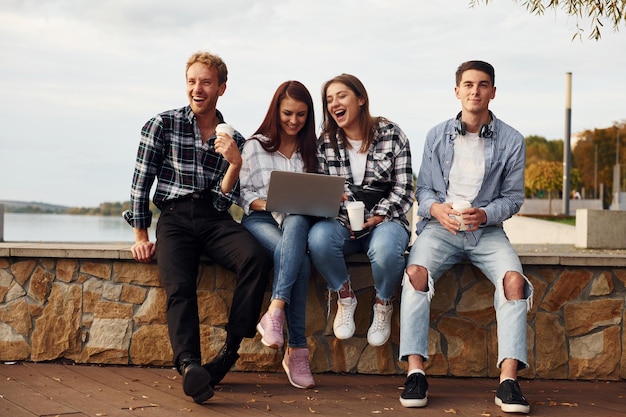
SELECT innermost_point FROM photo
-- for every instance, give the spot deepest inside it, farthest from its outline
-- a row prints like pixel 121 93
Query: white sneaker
pixel 380 330
pixel 344 326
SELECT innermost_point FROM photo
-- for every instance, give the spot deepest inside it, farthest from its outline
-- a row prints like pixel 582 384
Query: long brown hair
pixel 270 127
pixel 367 123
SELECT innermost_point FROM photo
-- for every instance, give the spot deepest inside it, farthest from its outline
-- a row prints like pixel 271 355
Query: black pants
pixel 188 228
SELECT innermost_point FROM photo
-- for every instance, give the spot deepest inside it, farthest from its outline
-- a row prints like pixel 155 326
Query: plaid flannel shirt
pixel 388 162
pixel 171 150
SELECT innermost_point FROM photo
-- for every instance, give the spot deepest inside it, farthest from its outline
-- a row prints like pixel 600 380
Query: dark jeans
pixel 187 229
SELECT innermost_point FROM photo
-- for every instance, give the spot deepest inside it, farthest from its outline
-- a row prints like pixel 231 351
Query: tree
pixel 613 11
pixel 539 148
pixel 548 176
pixel 595 155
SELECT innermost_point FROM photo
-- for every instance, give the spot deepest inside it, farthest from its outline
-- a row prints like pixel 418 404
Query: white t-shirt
pixel 357 161
pixel 468 168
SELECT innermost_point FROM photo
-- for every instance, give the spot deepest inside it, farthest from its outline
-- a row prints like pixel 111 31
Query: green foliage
pixel 539 148
pixel 600 11
pixel 544 175
pixel 107 209
pixel 595 152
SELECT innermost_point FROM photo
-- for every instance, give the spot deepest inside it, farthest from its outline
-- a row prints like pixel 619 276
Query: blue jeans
pixel 329 243
pixel 292 267
pixel 437 250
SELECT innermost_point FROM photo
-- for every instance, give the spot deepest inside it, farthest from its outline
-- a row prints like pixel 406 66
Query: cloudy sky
pixel 79 78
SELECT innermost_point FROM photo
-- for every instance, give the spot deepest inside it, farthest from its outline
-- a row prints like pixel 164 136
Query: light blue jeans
pixel 438 250
pixel 385 246
pixel 292 266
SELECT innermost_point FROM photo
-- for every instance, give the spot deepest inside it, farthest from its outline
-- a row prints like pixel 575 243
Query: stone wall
pixel 94 304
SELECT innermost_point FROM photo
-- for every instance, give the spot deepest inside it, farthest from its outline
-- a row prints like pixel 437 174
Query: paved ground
pixel 54 389
pixel 527 230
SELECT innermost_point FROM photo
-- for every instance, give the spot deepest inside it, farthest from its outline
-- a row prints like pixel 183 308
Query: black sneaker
pixel 220 365
pixel 510 398
pixel 415 392
pixel 196 380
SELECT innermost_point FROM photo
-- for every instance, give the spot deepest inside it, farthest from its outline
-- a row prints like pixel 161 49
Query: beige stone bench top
pixel 529 254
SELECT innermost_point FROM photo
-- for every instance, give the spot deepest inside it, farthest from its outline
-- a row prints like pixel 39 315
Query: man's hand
pixel 444 213
pixel 473 218
pixel 143 250
pixel 227 147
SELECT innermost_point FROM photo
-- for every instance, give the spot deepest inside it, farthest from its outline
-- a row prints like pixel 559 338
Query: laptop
pixel 305 193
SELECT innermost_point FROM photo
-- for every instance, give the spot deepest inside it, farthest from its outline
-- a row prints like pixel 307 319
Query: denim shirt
pixel 502 191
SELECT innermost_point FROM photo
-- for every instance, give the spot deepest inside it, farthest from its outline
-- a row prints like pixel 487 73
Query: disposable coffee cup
pixel 461 206
pixel 225 128
pixel 356 214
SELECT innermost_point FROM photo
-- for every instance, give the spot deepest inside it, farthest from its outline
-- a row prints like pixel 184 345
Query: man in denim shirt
pixel 197 173
pixel 479 159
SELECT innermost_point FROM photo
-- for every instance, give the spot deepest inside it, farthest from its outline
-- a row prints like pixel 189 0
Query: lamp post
pixel 616 175
pixel 595 170
pixel 566 141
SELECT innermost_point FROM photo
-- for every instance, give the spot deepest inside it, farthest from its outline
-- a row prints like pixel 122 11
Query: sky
pixel 79 78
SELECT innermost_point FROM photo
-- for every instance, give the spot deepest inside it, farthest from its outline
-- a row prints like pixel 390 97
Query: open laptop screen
pixel 305 193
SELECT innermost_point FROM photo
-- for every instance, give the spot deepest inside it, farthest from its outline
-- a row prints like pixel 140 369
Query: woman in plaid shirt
pixel 374 156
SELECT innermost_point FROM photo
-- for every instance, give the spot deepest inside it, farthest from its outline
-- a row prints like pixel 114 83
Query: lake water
pixel 26 227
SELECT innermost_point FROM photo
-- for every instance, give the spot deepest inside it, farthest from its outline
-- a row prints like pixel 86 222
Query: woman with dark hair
pixel 374 156
pixel 285 141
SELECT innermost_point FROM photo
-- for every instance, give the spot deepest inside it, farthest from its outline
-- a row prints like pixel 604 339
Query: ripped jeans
pixel 437 250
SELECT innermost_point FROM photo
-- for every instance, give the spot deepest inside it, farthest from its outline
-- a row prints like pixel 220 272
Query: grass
pixel 568 220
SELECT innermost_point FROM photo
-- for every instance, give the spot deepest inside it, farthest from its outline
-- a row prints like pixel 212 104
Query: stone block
pixel 97 269
pixel 212 308
pixel 152 311
pixel 66 269
pixel 550 346
pixel 57 331
pixel 600 229
pixel 582 318
pixel 437 363
pixel 112 291
pixel 567 288
pixel 40 284
pixel 602 285
pixel 596 355
pixel 476 303
pixel 21 270
pixel 14 292
pixel 539 291
pixel 109 341
pixel 377 360
pixel 467 344
pixel 318 358
pixel 17 316
pixel 623 360
pixel 113 310
pixel 133 294
pixel 345 354
pixel 150 345
pixel 13 346
pixel 136 273
pixel 446 291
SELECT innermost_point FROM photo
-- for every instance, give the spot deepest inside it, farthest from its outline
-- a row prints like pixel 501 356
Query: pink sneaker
pixel 271 329
pixel 297 368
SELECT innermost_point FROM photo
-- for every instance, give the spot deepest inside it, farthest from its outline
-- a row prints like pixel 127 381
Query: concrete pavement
pixel 523 230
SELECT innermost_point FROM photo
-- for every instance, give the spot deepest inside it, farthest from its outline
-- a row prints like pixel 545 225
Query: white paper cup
pixel 461 206
pixel 356 214
pixel 225 128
